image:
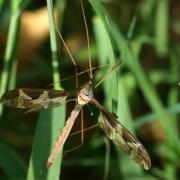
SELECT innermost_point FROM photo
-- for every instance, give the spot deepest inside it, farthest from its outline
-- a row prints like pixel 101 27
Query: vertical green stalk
pixel 54 47
pixel 10 51
pixel 50 122
pixel 55 171
pixel 118 97
pixel 105 52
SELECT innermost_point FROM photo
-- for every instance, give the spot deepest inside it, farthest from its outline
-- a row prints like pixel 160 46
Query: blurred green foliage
pixel 143 91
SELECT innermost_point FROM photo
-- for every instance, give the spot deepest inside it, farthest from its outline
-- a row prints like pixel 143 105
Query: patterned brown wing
pixel 34 99
pixel 124 139
pixel 121 137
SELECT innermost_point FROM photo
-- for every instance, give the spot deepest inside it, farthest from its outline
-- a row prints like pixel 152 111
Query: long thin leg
pixel 66 47
pixel 82 127
pixel 85 71
pixel 64 134
pixel 107 74
pixel 72 149
pixel 81 73
pixel 84 130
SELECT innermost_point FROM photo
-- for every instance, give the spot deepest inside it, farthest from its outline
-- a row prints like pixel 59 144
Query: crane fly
pixel 36 99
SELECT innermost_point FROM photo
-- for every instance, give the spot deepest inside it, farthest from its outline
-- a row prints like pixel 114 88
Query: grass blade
pixel 10 51
pixel 112 91
pixel 49 123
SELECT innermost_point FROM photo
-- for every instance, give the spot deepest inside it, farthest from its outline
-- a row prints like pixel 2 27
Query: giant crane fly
pixel 36 99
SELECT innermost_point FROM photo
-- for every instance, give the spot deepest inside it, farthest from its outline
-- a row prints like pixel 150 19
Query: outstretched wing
pixel 34 99
pixel 123 138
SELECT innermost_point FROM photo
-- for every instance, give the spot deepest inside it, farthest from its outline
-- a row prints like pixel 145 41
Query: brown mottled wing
pixel 123 138
pixel 34 99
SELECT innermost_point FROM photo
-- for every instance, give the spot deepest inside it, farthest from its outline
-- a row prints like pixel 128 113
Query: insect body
pixel 35 99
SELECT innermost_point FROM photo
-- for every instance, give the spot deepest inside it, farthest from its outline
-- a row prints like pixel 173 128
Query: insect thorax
pixel 85 94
